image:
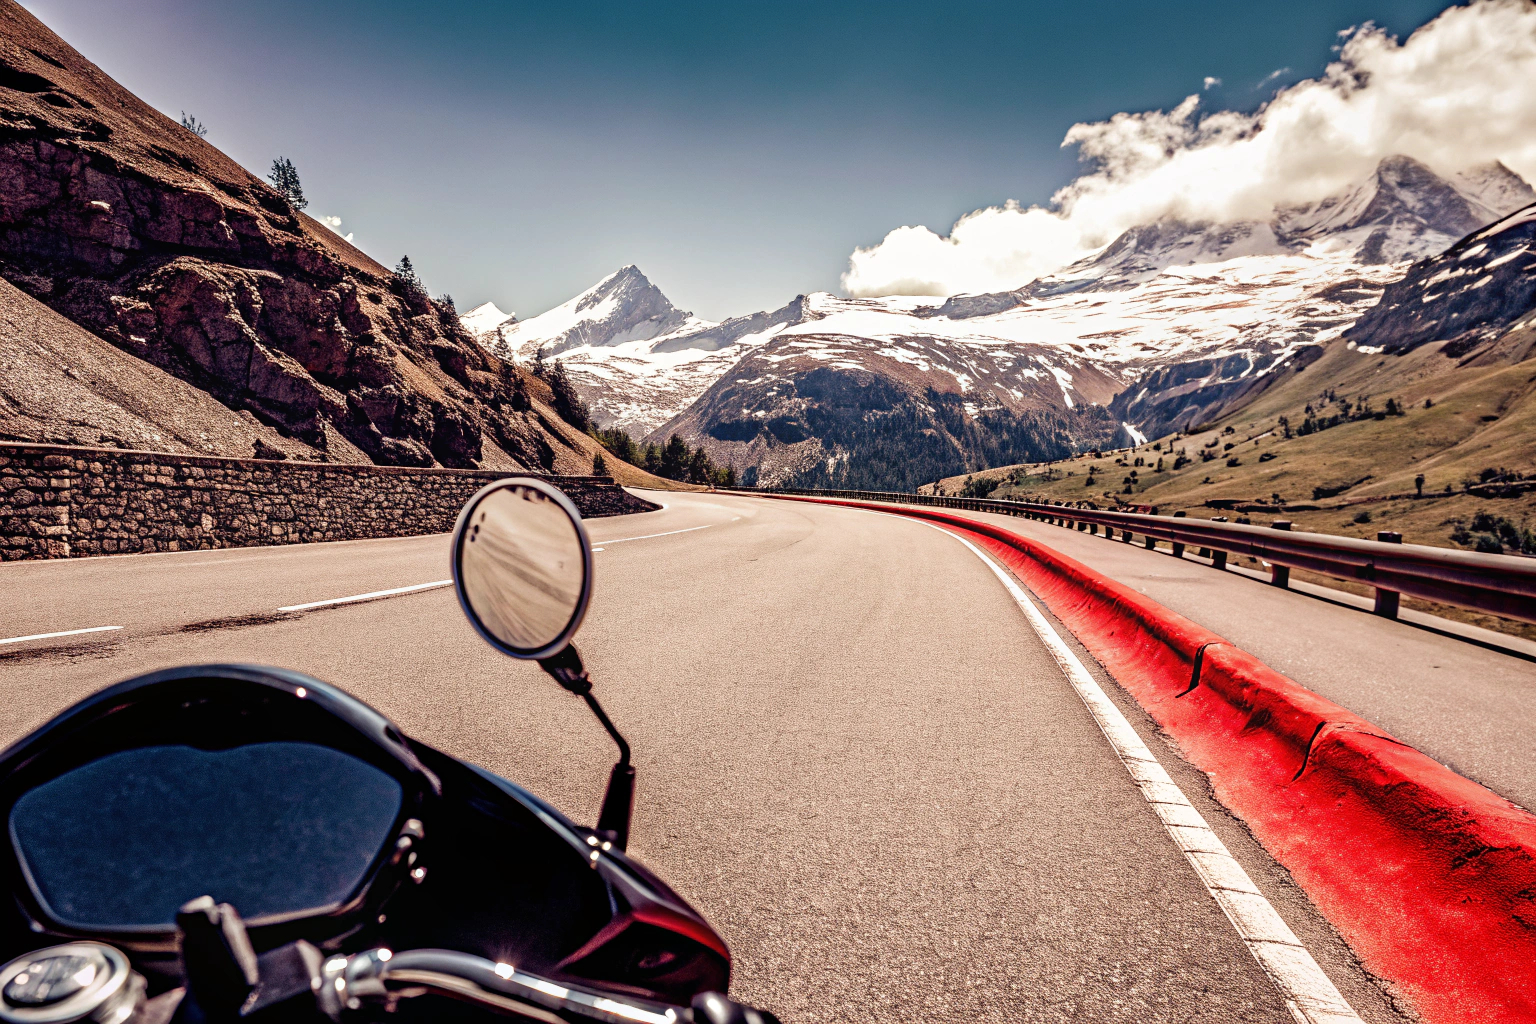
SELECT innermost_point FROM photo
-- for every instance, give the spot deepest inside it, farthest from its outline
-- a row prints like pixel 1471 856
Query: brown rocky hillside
pixel 140 232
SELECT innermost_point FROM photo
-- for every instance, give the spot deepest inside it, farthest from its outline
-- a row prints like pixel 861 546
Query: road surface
pixel 855 755
pixel 1469 707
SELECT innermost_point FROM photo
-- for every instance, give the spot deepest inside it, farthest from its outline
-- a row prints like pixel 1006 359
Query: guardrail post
pixel 1178 549
pixel 1125 536
pixel 1151 542
pixel 1093 528
pixel 1386 600
pixel 1218 558
pixel 1280 575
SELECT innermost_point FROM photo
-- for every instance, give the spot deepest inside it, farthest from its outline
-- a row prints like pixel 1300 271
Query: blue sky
pixel 736 152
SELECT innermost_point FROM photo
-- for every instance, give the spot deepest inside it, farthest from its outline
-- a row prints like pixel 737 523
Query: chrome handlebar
pixel 379 976
pixel 91 981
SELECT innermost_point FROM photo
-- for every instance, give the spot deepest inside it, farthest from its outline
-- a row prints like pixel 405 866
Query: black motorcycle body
pixel 223 843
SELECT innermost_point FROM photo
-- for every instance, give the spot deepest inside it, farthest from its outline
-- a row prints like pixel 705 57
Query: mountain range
pixel 1157 331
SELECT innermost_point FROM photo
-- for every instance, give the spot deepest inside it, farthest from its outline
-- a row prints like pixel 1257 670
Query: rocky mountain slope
pixel 140 232
pixel 1475 294
pixel 63 385
pixel 1165 327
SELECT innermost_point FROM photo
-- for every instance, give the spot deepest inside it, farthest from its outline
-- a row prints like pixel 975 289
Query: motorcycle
pixel 220 843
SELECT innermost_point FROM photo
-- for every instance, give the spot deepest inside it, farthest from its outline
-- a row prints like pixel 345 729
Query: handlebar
pixel 379 976
pixel 342 988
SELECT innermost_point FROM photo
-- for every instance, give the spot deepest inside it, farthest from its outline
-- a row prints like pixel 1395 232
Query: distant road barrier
pixel 1498 584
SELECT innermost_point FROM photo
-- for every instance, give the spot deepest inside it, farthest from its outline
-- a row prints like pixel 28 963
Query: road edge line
pixel 1309 994
pixel 1428 876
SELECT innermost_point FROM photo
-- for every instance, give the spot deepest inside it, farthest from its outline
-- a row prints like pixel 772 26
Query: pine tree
pixel 567 402
pixel 406 274
pixel 653 459
pixel 599 465
pixel 285 178
pixel 193 125
pixel 700 471
pixel 674 458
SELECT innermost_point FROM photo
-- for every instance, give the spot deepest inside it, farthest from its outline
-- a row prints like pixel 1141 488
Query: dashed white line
pixel 625 540
pixel 50 636
pixel 1308 994
pixel 366 597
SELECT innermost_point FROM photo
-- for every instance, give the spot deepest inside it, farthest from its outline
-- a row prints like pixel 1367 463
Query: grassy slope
pixel 1483 416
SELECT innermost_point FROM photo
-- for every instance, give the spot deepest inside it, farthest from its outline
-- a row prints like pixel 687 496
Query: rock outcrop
pixel 1469 295
pixel 60 384
pixel 141 232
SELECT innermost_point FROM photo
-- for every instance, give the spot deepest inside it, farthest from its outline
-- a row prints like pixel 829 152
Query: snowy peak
pixel 486 319
pixel 623 307
pixel 1405 211
pixel 1402 212
pixel 631 295
pixel 1499 190
pixel 637 359
pixel 1143 252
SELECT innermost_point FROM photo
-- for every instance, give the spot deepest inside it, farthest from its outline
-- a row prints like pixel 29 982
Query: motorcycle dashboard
pixel 268 791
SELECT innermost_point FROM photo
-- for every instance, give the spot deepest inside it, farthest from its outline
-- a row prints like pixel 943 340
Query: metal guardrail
pixel 1499 584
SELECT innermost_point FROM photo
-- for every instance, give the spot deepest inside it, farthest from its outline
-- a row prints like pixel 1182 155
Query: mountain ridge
pixel 1165 326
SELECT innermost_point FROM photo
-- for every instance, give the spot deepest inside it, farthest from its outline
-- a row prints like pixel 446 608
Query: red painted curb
pixel 1430 877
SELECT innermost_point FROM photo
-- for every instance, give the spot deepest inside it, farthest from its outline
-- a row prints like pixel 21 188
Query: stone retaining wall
pixel 59 502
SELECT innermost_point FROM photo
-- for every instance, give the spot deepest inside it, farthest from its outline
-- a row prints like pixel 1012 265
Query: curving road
pixel 855 755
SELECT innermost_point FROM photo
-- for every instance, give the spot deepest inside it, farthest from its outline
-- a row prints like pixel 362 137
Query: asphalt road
pixel 855 755
pixel 1469 707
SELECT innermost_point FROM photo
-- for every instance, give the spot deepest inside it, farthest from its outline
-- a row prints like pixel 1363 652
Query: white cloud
pixel 334 223
pixel 1455 94
pixel 1211 83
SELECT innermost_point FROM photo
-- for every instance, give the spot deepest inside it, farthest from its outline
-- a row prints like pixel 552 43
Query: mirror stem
pixel 602 716
pixel 619 800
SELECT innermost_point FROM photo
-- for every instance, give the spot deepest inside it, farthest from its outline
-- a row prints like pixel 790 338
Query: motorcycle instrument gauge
pixel 80 981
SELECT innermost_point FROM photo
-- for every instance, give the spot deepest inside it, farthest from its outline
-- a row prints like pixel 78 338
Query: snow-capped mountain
pixel 1159 329
pixel 635 358
pixel 1401 213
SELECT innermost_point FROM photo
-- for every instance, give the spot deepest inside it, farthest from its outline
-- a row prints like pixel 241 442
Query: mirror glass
pixel 272 828
pixel 521 568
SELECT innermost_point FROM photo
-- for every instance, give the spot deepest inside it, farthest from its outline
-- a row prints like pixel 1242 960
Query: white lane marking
pixel 366 597
pixel 1308 994
pixel 625 540
pixel 50 636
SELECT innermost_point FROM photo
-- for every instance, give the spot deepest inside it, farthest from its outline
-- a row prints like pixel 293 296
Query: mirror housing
pixel 522 567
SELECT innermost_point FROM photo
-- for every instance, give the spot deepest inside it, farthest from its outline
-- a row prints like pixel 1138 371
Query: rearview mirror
pixel 522 567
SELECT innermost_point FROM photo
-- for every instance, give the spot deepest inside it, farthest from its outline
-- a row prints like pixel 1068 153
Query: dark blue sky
pixel 736 152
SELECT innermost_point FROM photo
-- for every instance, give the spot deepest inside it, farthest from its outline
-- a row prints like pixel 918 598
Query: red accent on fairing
pixel 680 924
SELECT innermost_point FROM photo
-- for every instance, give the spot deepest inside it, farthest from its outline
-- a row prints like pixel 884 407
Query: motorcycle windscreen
pixel 272 828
